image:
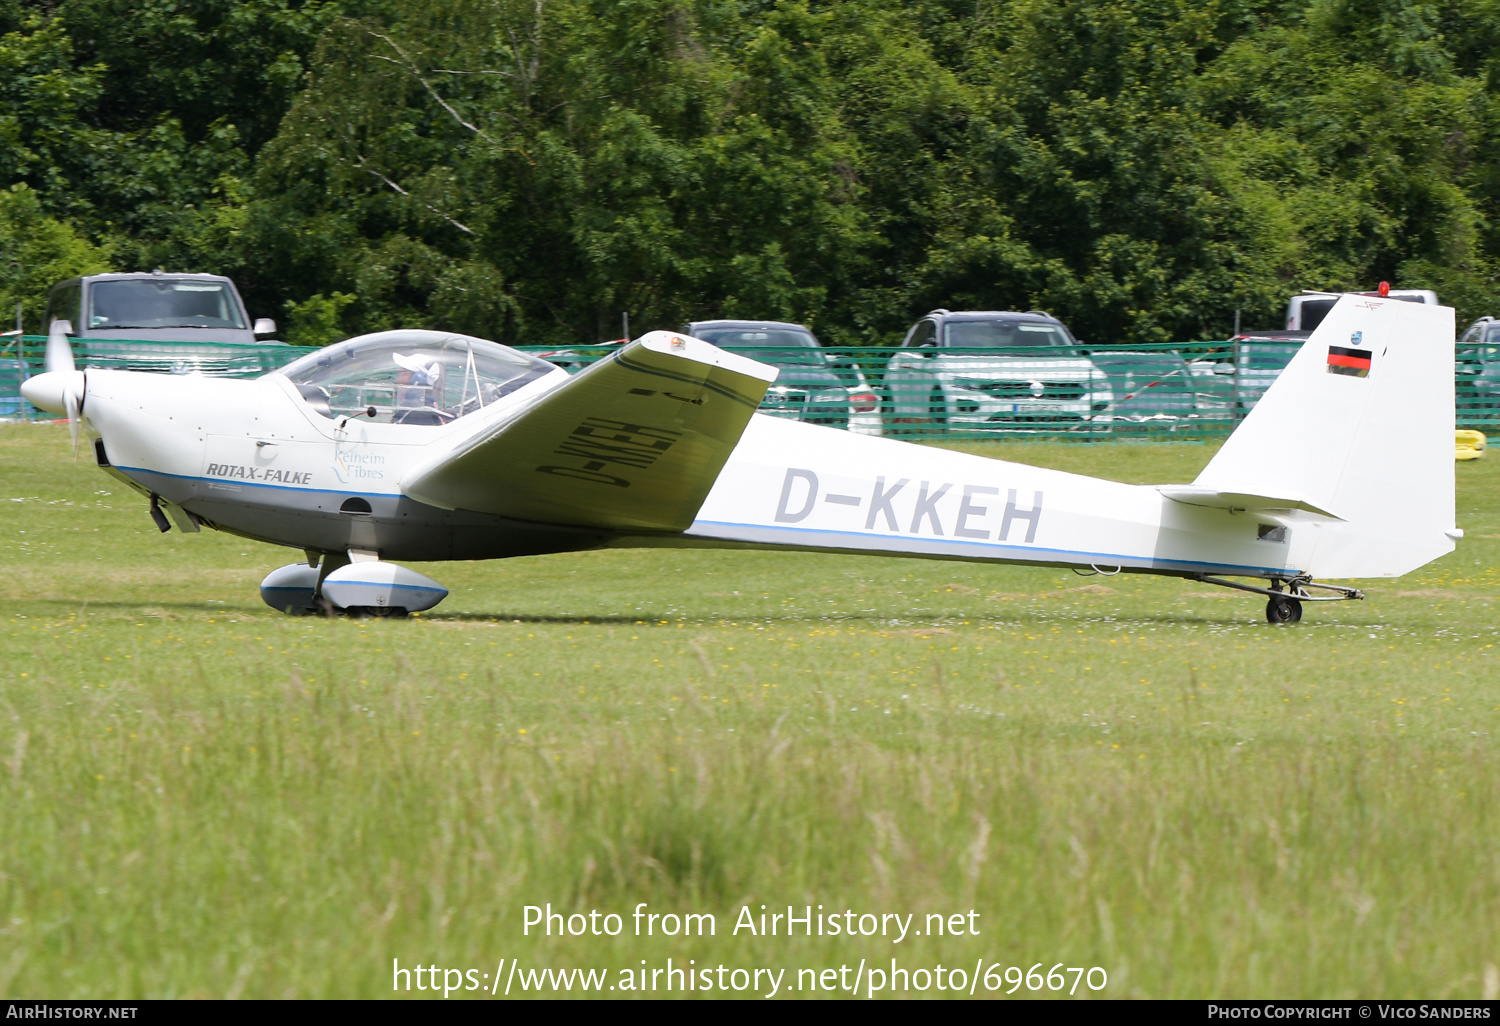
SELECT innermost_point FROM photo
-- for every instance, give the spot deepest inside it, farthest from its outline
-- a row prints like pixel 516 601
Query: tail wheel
pixel 1282 609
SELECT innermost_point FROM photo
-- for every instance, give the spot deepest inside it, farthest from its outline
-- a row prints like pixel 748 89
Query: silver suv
pixel 944 376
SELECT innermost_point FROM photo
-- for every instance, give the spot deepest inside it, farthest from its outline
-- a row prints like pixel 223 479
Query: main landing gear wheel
pixel 375 612
pixel 1283 609
pixel 371 587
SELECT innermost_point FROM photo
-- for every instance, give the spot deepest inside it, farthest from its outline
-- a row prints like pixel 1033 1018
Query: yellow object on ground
pixel 1468 445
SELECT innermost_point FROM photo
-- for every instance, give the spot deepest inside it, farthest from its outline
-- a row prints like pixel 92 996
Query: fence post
pixel 1234 397
pixel 1094 416
pixel 21 344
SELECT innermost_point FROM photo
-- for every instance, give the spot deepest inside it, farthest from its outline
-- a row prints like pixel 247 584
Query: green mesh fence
pixel 1201 389
pixel 1185 391
pixel 1029 392
pixel 213 359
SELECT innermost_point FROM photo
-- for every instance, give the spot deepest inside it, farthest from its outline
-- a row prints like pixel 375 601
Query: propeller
pixel 61 386
pixel 73 401
pixel 59 352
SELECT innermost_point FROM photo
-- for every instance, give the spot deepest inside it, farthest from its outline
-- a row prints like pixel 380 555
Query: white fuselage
pixel 254 458
pixel 788 486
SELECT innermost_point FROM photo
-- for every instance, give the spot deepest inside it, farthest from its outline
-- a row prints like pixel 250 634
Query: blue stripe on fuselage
pixel 804 537
pixel 256 484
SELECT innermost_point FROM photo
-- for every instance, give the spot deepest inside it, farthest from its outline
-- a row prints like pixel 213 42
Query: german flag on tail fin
pixel 1353 362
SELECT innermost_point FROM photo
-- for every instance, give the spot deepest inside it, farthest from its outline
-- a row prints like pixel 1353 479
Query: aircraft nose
pixel 49 391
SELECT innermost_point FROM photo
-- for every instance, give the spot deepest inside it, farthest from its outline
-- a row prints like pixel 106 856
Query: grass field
pixel 200 797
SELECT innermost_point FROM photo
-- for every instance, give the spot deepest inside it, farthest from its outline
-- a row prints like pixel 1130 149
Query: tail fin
pixel 1359 427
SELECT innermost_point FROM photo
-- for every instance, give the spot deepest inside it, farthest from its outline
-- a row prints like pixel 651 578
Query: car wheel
pixel 937 409
pixel 888 423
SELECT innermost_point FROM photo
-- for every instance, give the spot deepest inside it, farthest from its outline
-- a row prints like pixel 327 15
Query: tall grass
pixel 202 798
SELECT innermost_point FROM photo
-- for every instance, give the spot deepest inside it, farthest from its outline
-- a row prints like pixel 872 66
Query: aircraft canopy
pixel 411 377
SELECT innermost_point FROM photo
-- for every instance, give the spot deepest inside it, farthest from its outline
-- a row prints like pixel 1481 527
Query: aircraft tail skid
pixel 1354 440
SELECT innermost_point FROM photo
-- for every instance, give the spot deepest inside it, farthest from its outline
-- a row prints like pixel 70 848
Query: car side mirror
pixel 1223 368
pixel 60 327
pixel 264 326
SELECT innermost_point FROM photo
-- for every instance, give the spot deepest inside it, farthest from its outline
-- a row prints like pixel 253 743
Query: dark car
pixel 1476 369
pixel 157 322
pixel 1477 356
pixel 1161 388
pixel 1259 358
pixel 154 307
pixel 813 385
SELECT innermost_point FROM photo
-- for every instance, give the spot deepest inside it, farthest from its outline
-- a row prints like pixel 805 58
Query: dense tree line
pixel 527 169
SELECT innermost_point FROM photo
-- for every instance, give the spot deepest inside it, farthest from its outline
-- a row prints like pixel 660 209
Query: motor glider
pixel 427 445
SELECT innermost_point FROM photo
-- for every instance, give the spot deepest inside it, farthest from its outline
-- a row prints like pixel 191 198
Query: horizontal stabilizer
pixel 634 442
pixel 1191 495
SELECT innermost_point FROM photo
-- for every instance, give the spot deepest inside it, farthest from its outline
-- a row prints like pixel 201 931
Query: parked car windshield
pixel 411 377
pixel 164 303
pixel 1313 312
pixel 769 338
pixel 1481 346
pixel 1004 333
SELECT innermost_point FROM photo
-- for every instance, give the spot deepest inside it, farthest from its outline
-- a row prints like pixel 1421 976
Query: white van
pixel 1306 312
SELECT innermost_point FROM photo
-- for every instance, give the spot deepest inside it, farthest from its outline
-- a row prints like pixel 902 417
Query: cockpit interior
pixel 411 377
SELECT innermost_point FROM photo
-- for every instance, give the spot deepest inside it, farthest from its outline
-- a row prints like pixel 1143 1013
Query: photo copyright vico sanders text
pixel 868 977
pixel 1361 1010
